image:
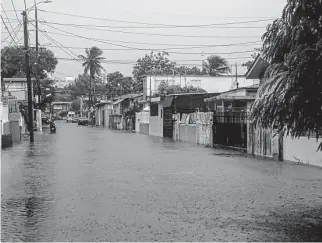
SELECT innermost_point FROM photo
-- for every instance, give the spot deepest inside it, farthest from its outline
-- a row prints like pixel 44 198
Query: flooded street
pixel 94 184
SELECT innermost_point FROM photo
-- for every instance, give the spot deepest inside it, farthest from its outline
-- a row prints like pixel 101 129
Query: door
pixel 167 123
pixel 103 118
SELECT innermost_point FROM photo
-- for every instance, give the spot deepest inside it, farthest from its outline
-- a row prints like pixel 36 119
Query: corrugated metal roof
pixel 16 79
pixel 167 102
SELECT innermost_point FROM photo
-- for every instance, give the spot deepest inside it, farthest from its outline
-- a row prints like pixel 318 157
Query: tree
pixel 118 85
pixel 13 64
pixel 153 63
pixel 164 89
pixel 79 87
pixel 182 70
pixel 291 97
pixel 75 105
pixel 215 66
pixel 249 63
pixel 92 65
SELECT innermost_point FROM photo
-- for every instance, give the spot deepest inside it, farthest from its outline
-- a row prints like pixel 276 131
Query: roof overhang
pixel 167 102
pixel 257 69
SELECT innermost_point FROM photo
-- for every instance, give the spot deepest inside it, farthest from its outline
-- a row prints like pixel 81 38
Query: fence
pixel 193 127
pixel 230 129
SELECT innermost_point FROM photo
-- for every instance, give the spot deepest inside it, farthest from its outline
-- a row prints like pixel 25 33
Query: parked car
pixel 75 119
pixel 82 121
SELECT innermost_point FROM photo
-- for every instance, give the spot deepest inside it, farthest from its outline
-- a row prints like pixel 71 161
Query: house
pixel 122 105
pixel 125 102
pixel 57 107
pixel 9 120
pixel 266 142
pixel 211 84
pixel 17 87
pixel 231 111
pixel 103 110
pixel 175 104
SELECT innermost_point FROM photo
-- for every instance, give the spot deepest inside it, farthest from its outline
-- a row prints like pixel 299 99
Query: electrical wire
pixel 189 53
pixel 142 33
pixel 149 24
pixel 57 43
pixel 149 49
pixel 6 27
pixel 4 11
pixel 171 27
pixel 18 26
pixel 13 5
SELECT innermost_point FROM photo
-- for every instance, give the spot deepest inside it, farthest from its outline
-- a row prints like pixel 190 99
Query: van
pixel 70 116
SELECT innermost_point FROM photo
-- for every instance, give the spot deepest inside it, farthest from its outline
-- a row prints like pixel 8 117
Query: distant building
pixel 17 87
pixel 211 84
pixel 63 83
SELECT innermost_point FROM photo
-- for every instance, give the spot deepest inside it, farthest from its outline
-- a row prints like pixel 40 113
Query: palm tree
pixel 215 66
pixel 92 64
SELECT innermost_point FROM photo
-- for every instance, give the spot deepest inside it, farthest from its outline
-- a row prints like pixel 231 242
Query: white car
pixel 70 116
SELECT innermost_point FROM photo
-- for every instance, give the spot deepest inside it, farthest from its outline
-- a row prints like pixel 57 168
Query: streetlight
pixel 37 43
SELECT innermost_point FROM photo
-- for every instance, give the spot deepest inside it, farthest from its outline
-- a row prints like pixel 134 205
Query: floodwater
pixel 93 184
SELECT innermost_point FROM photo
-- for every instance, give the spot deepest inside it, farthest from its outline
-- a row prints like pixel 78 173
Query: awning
pixel 118 101
pixel 190 102
pixel 167 102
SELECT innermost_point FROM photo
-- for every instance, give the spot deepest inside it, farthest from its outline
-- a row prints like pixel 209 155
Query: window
pixel 171 81
pixel 195 82
pixel 154 109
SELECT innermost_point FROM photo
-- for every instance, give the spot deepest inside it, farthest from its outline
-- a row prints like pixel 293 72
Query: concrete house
pixel 103 110
pixel 210 84
pixel 262 142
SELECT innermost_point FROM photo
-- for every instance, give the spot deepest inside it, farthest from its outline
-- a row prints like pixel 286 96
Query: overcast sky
pixel 111 13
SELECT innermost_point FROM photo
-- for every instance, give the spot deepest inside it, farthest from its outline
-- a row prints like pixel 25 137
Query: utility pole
pixel 236 77
pixel 150 93
pixel 29 83
pixel 37 53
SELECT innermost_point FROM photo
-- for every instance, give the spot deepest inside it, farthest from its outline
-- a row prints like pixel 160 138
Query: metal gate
pixel 230 129
pixel 167 123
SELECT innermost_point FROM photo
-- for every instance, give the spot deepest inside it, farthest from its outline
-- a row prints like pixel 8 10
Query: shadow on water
pixel 285 225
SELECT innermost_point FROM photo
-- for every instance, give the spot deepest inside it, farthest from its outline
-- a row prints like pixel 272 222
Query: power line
pixel 57 43
pixel 6 16
pixel 9 32
pixel 149 49
pixel 140 43
pixel 135 61
pixel 143 33
pixel 170 26
pixel 149 24
pixel 15 30
pixel 188 53
pixel 13 5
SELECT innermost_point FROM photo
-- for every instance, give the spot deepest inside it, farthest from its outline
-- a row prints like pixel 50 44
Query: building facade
pixel 211 84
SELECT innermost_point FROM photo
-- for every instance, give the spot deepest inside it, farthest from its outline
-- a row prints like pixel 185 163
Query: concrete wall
pixel 14 116
pixel 5 128
pixel 5 113
pixel 188 133
pixel 141 117
pixel 144 128
pixel 302 150
pixel 15 131
pixel 0 122
pixel 156 126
